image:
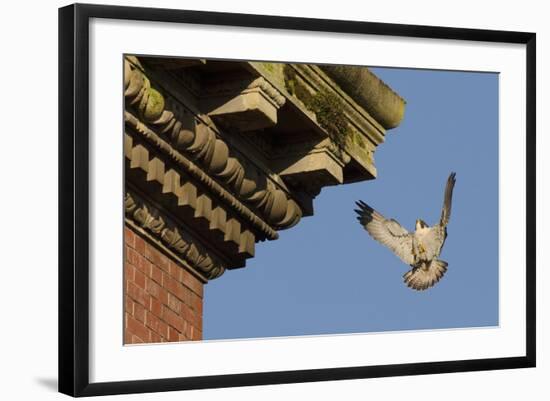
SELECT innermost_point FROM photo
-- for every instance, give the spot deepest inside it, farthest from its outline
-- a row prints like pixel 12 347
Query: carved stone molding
pixel 195 200
pixel 341 113
pixel 272 201
pixel 221 155
pixel 191 136
pixel 348 125
pixel 182 244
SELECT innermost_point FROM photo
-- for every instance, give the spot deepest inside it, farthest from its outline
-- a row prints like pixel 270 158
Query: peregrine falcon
pixel 419 249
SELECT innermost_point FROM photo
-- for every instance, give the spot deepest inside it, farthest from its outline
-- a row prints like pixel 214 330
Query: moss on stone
pixel 297 88
pixel 327 107
pixel 330 115
pixel 358 140
pixel 155 105
pixel 269 67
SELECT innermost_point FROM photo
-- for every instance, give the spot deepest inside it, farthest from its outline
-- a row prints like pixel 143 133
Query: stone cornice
pixel 140 158
pixel 314 93
pixel 201 143
pixel 319 81
pixel 168 235
pixel 386 106
pixel 183 91
pixel 220 155
pixel 229 87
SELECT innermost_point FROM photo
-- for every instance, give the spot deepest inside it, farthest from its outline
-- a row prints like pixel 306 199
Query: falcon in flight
pixel 419 249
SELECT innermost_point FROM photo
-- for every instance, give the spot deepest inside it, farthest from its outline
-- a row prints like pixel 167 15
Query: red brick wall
pixel 163 300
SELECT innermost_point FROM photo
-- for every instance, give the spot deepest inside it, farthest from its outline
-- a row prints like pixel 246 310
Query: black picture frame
pixel 74 198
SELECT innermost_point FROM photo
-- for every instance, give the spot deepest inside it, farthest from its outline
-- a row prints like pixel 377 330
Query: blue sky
pixel 327 275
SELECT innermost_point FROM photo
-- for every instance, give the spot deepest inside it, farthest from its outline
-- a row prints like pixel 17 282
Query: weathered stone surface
pixel 317 97
pixel 245 112
pixel 243 105
pixel 144 216
pixel 370 92
pixel 230 152
pixel 318 164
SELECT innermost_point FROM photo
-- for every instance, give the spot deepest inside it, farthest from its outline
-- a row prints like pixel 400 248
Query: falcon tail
pixel 425 275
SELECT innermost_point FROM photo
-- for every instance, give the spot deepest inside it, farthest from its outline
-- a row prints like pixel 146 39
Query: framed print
pixel 240 206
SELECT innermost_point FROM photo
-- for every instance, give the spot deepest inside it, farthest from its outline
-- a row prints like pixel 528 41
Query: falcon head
pixel 420 224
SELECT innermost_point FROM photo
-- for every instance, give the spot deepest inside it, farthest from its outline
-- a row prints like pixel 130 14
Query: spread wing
pixel 447 200
pixel 386 231
pixel 425 275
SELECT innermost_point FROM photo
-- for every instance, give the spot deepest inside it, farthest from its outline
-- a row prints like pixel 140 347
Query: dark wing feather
pixel 447 200
pixel 386 231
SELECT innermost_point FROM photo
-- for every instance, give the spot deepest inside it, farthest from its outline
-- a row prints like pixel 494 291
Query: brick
pixel 149 252
pixel 173 335
pixel 187 314
pixel 152 288
pixel 163 300
pixel 131 256
pixel 161 261
pixel 157 325
pixel 174 303
pixel 191 282
pixel 143 265
pixel 188 331
pixel 185 295
pixel 163 296
pixel 129 272
pixel 139 278
pixel 155 273
pixel 168 282
pixel 196 303
pixel 155 306
pixel 136 340
pixel 175 288
pixel 157 258
pixel 155 338
pixel 137 328
pixel 127 336
pixel 139 245
pixel 175 270
pixel 197 322
pixel 128 305
pixel 157 291
pixel 139 313
pixel 172 319
pixel 129 237
pixel 197 335
pixel 137 294
pixel 163 329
